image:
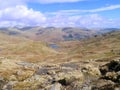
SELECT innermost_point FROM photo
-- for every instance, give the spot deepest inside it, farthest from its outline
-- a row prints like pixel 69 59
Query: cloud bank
pixel 57 1
pixel 18 14
pixel 89 21
pixel 22 16
pixel 8 3
pixel 73 12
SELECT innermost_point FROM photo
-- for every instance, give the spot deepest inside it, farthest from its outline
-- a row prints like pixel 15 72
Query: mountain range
pixel 37 58
pixel 53 34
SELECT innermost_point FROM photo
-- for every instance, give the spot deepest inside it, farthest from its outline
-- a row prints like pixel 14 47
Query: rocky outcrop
pixel 56 86
pixel 110 77
pixel 111 71
pixel 91 70
pixel 2 82
pixel 66 76
pixel 103 85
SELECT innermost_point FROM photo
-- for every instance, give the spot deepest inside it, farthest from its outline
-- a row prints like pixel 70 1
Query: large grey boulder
pixel 56 86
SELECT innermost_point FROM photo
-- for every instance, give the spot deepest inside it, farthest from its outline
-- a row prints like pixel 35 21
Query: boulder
pixel 68 78
pixel 111 71
pixel 114 65
pixel 2 82
pixel 90 69
pixel 56 86
pixel 21 75
pixel 103 85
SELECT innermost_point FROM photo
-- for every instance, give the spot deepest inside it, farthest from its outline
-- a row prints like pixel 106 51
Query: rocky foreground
pixel 82 75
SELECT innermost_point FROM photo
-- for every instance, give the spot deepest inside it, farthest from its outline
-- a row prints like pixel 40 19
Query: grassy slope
pixel 24 49
pixel 104 46
pixel 14 49
pixel 107 45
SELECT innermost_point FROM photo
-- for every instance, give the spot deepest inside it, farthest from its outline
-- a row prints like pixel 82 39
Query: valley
pixel 37 58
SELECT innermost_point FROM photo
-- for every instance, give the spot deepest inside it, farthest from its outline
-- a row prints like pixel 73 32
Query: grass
pixel 16 49
pixel 95 47
pixel 35 51
pixel 13 47
pixel 26 86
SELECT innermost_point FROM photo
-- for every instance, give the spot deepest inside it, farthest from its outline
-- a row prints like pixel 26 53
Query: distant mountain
pixel 105 30
pixel 110 29
pixel 53 34
pixel 101 46
pixel 10 31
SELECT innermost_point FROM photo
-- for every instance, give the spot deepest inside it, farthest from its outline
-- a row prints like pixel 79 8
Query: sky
pixel 60 13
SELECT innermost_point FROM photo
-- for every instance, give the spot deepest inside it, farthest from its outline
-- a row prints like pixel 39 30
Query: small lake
pixel 54 46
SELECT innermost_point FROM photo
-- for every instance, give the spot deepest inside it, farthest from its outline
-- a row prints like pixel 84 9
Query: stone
pixel 56 86
pixel 111 71
pixel 21 75
pixel 51 72
pixel 103 85
pixel 2 82
pixel 91 70
pixel 114 65
pixel 67 79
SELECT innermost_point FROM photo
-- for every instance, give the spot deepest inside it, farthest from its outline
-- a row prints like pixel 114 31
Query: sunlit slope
pixel 28 48
pixel 15 46
pixel 101 46
pixel 6 39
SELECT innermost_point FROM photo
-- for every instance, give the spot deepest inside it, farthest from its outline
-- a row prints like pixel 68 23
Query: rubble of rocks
pixel 66 76
pixel 110 77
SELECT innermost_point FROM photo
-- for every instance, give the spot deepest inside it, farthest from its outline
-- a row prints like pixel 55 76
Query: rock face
pixel 103 85
pixel 111 71
pixel 2 83
pixel 91 70
pixel 67 76
pixel 110 77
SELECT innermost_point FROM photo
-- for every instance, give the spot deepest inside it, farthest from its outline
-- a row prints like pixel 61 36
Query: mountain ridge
pixel 53 34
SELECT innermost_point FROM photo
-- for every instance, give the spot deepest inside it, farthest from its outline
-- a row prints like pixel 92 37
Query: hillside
pixel 50 34
pixel 100 46
pixel 22 48
pixel 27 64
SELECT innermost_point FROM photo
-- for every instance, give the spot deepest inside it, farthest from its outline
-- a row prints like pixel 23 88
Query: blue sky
pixel 60 13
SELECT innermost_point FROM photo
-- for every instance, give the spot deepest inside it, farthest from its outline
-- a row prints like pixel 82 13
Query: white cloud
pixel 10 3
pixel 73 12
pixel 21 15
pixel 112 7
pixel 17 13
pixel 90 21
pixel 57 1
